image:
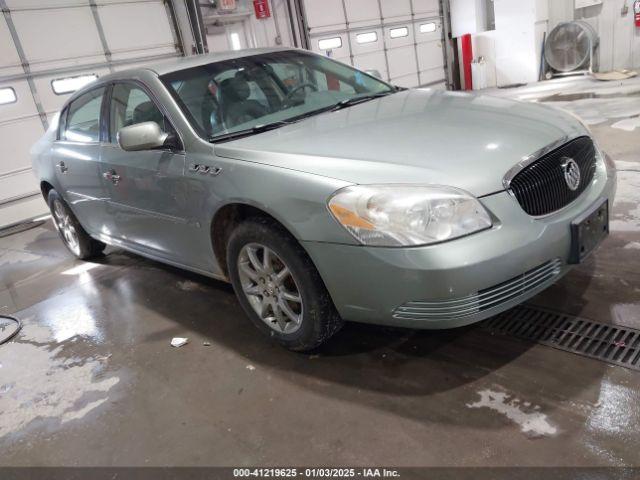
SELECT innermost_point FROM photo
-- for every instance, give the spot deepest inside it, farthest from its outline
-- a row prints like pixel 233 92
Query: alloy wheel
pixel 65 226
pixel 269 286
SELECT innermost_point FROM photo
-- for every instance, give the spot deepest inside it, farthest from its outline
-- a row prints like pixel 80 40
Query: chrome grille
pixel 483 300
pixel 541 188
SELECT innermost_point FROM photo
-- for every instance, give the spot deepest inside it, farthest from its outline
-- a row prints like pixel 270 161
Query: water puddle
pixel 527 416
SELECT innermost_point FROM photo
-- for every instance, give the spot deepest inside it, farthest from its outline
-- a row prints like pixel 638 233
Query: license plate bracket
pixel 588 230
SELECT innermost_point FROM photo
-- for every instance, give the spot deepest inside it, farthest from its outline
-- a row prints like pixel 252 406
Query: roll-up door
pixel 48 48
pixel 401 39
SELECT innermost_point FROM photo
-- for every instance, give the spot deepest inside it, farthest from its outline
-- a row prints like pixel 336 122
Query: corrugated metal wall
pixel 45 40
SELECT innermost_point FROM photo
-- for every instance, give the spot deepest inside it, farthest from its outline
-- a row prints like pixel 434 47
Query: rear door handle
pixel 63 168
pixel 112 176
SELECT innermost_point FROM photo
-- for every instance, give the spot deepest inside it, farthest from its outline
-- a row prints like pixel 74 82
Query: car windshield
pixel 244 95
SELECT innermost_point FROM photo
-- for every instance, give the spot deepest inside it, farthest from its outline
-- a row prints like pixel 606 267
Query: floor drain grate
pixel 605 342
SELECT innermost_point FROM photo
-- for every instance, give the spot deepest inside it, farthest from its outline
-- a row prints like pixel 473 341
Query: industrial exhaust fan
pixel 571 49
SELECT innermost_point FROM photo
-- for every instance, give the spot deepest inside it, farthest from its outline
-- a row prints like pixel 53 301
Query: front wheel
pixel 74 237
pixel 278 286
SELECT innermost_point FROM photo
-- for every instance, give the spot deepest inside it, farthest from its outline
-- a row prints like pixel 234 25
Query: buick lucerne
pixel 324 194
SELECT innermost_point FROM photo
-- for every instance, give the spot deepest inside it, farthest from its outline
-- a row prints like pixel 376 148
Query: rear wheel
pixel 74 237
pixel 278 286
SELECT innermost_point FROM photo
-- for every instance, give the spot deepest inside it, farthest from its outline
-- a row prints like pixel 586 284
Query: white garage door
pixel 401 39
pixel 47 49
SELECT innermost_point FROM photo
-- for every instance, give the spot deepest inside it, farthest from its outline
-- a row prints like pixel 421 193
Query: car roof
pixel 179 63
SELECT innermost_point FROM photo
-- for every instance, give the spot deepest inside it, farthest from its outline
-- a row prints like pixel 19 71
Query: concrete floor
pixel 92 380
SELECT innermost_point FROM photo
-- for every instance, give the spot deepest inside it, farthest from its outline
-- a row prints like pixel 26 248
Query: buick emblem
pixel 571 172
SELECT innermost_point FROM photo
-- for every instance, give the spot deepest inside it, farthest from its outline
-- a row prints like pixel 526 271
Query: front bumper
pixel 461 281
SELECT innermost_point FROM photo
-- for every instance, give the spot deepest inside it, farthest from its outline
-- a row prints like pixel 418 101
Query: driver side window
pixel 130 105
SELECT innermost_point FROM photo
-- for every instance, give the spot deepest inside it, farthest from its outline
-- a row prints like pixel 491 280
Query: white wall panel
pixel 20 127
pixel 426 7
pixel 17 185
pixel 362 10
pixel 324 13
pixel 372 61
pixel 23 107
pixel 22 132
pixel 127 36
pixel 395 8
pixel 17 5
pixel 430 56
pixel 402 62
pixel 58 37
pixel 408 81
pixel 516 60
pixel 431 77
pixel 9 60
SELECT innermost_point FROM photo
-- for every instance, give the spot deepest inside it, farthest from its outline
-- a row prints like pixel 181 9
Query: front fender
pixel 296 199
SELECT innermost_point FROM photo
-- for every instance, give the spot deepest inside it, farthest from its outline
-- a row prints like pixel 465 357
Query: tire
pixel 273 288
pixel 74 237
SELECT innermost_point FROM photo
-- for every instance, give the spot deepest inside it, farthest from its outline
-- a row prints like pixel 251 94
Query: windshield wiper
pixel 281 123
pixel 356 100
pixel 248 131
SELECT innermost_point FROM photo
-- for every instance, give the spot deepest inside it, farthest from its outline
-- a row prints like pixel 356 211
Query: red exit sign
pixel 262 8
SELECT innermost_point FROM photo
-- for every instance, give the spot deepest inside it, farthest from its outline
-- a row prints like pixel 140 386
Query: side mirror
pixel 141 136
pixel 374 73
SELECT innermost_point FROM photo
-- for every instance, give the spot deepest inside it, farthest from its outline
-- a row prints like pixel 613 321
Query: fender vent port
pixel 605 342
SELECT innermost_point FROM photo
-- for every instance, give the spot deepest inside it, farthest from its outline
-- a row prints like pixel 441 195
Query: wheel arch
pixel 45 188
pixel 227 217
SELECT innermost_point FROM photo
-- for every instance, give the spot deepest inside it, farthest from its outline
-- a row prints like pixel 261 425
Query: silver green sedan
pixel 324 194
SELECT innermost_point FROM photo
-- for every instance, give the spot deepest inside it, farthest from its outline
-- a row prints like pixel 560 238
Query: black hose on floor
pixel 15 332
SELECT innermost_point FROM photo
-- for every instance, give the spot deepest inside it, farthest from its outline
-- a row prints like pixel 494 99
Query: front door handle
pixel 112 176
pixel 63 168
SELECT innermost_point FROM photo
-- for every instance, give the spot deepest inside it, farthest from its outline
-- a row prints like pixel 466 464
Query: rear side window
pixel 83 118
pixel 130 104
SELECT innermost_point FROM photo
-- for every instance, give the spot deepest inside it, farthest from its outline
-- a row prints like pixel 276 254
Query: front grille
pixel 541 188
pixel 483 300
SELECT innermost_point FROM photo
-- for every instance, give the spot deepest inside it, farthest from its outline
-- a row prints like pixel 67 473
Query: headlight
pixel 406 215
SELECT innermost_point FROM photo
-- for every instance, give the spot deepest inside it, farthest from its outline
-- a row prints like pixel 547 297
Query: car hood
pixel 414 136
